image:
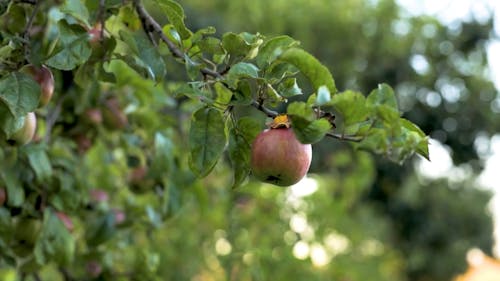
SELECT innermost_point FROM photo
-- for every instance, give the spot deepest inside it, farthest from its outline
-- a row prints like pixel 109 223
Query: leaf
pixel 224 95
pixel 210 45
pixel 422 142
pixel 15 191
pixel 351 106
pixel 235 44
pixel 164 154
pixel 76 9
pixel 149 58
pixel 175 15
pixel 289 88
pixel 239 148
pixel 323 96
pixel 310 132
pixel 39 161
pixel 241 70
pixel 55 242
pixel 307 128
pixel 383 95
pixel 316 72
pixel 273 48
pixel 207 140
pixel 73 48
pixel 19 93
pixel 301 109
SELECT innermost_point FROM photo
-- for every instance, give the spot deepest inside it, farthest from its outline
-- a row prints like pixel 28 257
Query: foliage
pixel 137 151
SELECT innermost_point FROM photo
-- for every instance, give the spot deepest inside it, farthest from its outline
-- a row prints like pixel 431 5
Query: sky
pixel 449 11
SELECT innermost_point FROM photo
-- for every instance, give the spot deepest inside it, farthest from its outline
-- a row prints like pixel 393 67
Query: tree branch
pixel 150 25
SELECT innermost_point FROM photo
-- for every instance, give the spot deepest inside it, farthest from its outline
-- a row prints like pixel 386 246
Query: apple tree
pixel 114 120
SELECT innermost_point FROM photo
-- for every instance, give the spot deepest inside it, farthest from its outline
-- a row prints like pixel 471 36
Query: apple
pixel 66 220
pixel 120 216
pixel 98 195
pixel 95 34
pixel 25 134
pixel 277 157
pixel 113 115
pixel 94 268
pixel 93 116
pixel 3 196
pixel 43 76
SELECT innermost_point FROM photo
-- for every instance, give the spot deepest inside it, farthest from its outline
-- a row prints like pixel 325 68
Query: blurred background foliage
pixel 440 76
pixel 358 217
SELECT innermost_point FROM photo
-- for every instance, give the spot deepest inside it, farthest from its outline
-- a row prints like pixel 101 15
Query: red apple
pixel 120 216
pixel 94 269
pixel 43 76
pixel 113 115
pixel 25 134
pixel 98 195
pixel 279 158
pixel 93 116
pixel 95 34
pixel 3 196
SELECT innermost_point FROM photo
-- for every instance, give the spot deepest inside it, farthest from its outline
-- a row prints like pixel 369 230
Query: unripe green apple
pixel 27 131
pixel 279 158
pixel 43 76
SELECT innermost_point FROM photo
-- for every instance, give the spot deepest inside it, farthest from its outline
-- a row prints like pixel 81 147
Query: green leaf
pixel 289 88
pixel 307 128
pixel 239 154
pixel 163 159
pixel 55 242
pixel 39 161
pixel 15 190
pixel 224 95
pixel 323 96
pixel 19 93
pixel 192 67
pixel 101 229
pixel 73 48
pixel 149 58
pixel 76 9
pixel 273 48
pixel 239 148
pixel 302 110
pixel 207 140
pixel 235 45
pixel 316 72
pixel 422 143
pixel 175 15
pixel 351 106
pixel 211 45
pixel 310 132
pixel 383 95
pixel 241 70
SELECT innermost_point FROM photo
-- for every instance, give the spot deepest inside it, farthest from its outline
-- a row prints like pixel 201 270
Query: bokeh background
pixel 360 217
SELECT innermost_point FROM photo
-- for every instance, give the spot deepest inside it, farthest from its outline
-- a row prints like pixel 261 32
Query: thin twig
pixel 101 16
pixel 150 25
pixel 26 33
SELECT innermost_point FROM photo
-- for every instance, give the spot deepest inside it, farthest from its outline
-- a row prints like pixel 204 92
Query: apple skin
pixel 3 196
pixel 279 158
pixel 43 76
pixel 113 115
pixel 93 116
pixel 27 131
